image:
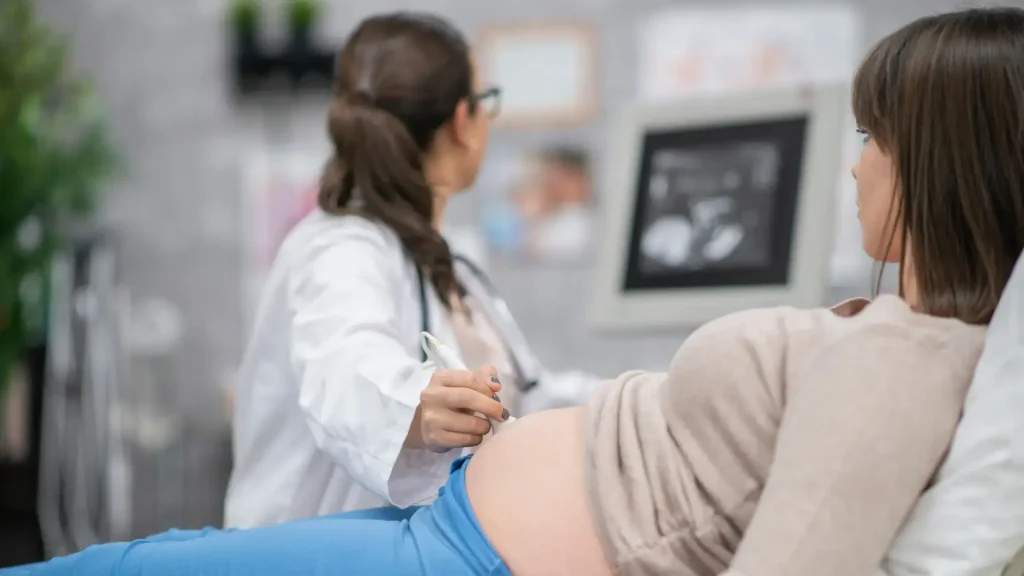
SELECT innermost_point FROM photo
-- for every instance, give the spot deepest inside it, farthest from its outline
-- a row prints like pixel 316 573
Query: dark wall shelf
pixel 298 65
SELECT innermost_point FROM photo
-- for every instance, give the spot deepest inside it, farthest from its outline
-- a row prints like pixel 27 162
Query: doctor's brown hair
pixel 398 79
pixel 944 97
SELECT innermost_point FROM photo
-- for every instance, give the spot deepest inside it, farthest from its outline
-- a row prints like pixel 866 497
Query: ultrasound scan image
pixel 709 207
pixel 715 205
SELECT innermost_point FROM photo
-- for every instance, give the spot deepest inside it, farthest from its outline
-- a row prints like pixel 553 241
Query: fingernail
pixel 495 380
pixel 504 414
pixel 495 396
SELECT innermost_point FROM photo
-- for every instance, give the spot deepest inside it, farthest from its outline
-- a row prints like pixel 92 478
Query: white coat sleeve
pixel 359 385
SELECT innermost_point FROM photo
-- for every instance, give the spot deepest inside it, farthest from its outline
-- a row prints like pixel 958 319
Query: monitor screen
pixel 716 205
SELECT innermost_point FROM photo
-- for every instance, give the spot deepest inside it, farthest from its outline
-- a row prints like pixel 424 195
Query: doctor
pixel 336 407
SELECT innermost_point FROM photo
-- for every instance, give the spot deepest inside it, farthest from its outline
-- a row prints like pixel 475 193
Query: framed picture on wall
pixel 717 205
pixel 547 72
pixel 537 203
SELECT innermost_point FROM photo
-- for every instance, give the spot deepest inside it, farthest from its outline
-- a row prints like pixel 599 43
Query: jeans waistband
pixel 455 523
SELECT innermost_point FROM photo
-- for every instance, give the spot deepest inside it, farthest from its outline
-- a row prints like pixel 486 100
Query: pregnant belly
pixel 527 491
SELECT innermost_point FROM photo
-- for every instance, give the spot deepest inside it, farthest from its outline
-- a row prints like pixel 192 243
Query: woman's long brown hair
pixel 944 96
pixel 399 78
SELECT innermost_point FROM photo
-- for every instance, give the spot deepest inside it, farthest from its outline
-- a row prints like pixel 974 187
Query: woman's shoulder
pixel 319 230
pixel 330 238
pixel 886 313
pixel 892 316
pixel 324 245
pixel 854 326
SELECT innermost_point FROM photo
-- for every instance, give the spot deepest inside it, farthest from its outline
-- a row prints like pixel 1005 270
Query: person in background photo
pixel 567 228
pixel 553 201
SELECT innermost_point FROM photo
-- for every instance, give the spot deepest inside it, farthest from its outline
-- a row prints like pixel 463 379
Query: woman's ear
pixel 460 126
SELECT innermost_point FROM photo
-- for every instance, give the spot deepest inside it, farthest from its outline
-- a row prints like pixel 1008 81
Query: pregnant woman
pixel 781 442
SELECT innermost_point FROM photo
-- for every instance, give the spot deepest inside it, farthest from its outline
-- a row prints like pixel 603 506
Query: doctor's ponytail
pixel 399 78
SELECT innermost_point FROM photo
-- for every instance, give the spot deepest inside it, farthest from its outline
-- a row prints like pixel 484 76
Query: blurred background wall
pixel 161 68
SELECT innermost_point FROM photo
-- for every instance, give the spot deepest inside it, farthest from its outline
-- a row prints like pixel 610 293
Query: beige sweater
pixel 781 442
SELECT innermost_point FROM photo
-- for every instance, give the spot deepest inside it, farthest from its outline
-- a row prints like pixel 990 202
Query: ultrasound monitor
pixel 719 204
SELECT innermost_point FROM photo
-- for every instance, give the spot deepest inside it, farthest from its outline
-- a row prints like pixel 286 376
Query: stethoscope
pixel 476 283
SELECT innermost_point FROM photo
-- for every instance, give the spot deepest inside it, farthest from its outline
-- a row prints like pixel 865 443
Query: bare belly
pixel 527 491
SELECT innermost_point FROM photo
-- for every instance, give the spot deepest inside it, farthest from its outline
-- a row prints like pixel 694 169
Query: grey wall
pixel 160 66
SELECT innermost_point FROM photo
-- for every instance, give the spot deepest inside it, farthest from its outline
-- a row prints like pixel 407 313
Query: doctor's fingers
pixel 484 380
pixel 449 440
pixel 456 422
pixel 462 399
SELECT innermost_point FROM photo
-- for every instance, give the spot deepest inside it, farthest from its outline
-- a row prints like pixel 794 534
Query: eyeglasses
pixel 490 99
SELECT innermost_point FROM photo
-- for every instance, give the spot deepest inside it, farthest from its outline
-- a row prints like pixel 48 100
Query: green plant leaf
pixel 303 13
pixel 245 14
pixel 55 158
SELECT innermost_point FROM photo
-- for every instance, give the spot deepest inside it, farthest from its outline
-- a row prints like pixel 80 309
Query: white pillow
pixel 971 521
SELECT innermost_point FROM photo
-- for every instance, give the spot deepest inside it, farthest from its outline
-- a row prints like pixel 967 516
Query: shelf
pixel 296 67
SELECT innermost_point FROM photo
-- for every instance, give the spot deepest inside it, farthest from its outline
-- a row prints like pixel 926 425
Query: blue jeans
pixel 442 539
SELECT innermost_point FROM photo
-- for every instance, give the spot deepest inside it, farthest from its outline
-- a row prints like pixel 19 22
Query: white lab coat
pixel 332 376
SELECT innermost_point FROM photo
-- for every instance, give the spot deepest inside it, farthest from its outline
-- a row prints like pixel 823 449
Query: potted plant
pixel 246 18
pixel 55 155
pixel 302 18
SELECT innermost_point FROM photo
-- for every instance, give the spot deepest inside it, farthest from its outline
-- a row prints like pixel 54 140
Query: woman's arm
pixel 863 431
pixel 360 386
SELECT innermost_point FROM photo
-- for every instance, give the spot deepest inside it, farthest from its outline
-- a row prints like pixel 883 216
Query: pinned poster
pixel 280 190
pixel 692 51
pixel 687 52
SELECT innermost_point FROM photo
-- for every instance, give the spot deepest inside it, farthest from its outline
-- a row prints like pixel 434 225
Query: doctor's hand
pixel 446 416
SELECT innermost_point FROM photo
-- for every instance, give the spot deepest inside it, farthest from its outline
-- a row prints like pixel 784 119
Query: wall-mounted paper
pixel 683 51
pixel 546 73
pixel 280 189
